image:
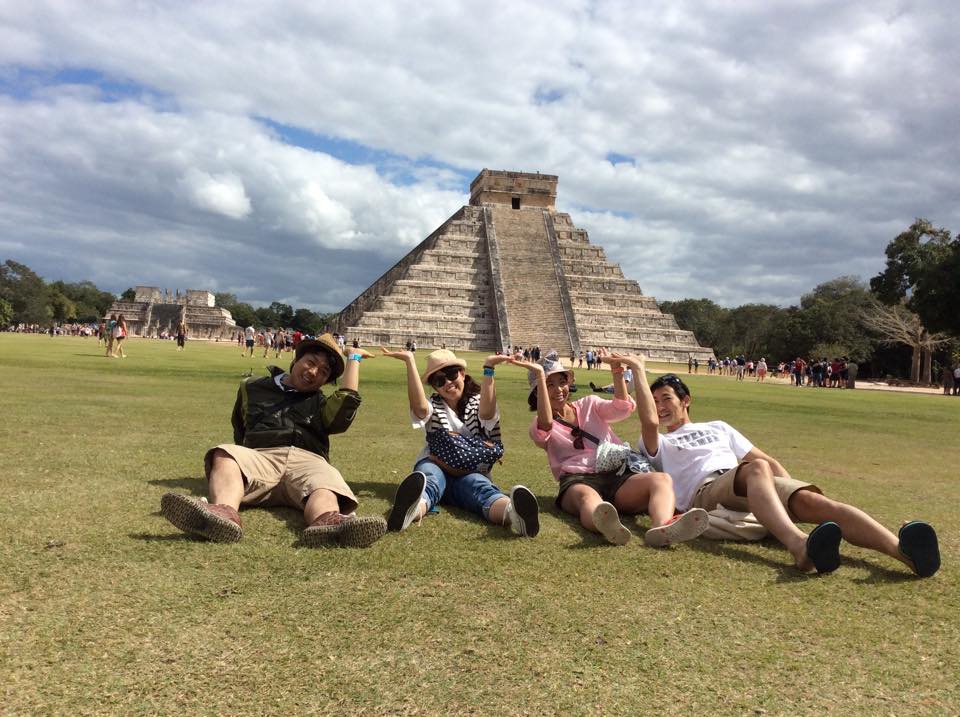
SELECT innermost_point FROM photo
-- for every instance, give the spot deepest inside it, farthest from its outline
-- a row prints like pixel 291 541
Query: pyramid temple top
pixel 516 189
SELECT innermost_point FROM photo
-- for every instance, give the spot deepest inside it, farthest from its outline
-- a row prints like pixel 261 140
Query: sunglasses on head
pixel 671 379
pixel 439 378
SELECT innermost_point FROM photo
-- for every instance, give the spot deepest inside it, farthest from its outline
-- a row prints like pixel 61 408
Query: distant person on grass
pixel 571 432
pixel 250 338
pixel 712 463
pixel 458 405
pixel 280 453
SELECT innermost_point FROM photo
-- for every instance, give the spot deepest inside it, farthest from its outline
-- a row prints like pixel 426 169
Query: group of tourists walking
pixel 280 456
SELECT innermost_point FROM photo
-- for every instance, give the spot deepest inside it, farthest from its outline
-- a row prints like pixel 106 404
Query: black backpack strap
pixel 577 430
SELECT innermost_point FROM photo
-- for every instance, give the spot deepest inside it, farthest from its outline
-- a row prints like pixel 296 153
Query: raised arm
pixel 415 395
pixel 616 369
pixel 351 371
pixel 544 413
pixel 646 408
pixel 488 390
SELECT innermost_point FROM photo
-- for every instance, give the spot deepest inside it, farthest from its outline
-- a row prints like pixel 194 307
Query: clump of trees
pixel 26 298
pixel 905 317
pixel 277 314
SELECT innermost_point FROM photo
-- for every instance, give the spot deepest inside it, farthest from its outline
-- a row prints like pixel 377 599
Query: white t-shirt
pixel 248 333
pixel 694 452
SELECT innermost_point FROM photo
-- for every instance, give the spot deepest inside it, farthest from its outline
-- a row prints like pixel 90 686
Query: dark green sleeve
pixel 339 410
pixel 237 418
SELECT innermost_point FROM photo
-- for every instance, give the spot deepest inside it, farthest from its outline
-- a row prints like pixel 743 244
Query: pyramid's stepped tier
pixel 531 288
pixel 438 295
pixel 511 270
pixel 610 310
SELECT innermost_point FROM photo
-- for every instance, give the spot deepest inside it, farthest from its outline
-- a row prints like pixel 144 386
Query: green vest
pixel 265 416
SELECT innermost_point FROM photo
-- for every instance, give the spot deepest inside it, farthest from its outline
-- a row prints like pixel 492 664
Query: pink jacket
pixel 594 415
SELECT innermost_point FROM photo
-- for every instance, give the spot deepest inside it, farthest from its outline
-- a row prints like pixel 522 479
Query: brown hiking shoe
pixel 217 522
pixel 349 531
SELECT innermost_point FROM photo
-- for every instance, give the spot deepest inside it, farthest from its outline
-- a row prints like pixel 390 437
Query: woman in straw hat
pixel 571 432
pixel 458 404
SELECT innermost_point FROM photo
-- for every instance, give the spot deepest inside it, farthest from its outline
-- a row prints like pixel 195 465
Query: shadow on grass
pixel 197 485
pixel 880 573
pixel 384 491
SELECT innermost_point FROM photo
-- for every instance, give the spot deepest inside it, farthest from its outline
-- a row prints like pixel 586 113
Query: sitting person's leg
pixel 751 487
pixel 864 531
pixel 417 494
pixel 653 493
pixel 219 520
pixel 584 500
pixel 312 485
pixel 476 493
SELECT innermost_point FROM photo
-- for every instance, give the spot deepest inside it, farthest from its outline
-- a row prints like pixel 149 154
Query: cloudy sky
pixel 742 151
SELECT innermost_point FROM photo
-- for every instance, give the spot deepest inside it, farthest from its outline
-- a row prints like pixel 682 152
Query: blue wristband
pixel 356 357
pixel 488 371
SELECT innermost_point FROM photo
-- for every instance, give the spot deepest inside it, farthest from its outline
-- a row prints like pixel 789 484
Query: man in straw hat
pixel 280 452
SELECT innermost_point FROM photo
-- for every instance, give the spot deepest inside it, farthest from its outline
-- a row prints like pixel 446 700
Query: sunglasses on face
pixel 439 378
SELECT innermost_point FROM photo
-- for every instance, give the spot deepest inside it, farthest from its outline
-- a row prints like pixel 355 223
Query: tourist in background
pixel 119 333
pixel 458 405
pixel 110 325
pixel 181 335
pixel 571 432
pixel 761 369
pixel 250 339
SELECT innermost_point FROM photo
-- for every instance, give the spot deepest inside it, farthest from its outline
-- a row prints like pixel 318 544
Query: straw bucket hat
pixel 441 358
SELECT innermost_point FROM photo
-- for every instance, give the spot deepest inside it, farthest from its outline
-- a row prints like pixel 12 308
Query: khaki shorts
pixel 720 490
pixel 284 476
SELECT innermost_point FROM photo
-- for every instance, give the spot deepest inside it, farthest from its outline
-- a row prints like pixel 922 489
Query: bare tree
pixel 896 324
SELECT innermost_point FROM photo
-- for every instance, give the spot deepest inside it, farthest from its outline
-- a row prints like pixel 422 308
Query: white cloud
pixel 223 193
pixel 771 147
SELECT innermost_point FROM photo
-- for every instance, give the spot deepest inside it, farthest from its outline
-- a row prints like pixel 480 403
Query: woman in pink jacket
pixel 570 432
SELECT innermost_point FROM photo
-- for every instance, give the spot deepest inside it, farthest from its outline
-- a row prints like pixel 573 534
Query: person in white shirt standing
pixel 712 463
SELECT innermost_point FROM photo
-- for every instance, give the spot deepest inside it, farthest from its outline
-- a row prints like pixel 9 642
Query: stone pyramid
pixel 510 270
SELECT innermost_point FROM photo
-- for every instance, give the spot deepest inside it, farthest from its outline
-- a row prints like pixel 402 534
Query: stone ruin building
pixel 510 270
pixel 153 311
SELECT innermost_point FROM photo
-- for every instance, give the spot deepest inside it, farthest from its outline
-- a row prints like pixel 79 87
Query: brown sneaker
pixel 217 522
pixel 349 531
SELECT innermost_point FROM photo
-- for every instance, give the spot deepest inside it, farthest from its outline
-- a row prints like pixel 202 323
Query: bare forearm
pixel 415 394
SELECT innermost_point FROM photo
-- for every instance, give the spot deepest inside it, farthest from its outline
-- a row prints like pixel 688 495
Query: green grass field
pixel 105 608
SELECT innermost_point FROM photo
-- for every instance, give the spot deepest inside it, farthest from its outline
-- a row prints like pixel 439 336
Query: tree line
pixel 905 321
pixel 25 298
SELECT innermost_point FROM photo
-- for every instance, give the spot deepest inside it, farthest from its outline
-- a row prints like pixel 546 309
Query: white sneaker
pixel 607 521
pixel 685 526
pixel 406 503
pixel 523 512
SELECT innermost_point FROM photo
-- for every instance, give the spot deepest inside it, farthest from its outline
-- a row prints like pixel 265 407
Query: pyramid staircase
pixel 510 270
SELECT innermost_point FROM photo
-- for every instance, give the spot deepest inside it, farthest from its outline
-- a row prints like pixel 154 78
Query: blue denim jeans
pixel 474 492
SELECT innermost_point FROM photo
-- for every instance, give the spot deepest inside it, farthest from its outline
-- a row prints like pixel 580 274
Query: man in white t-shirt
pixel 249 334
pixel 714 464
